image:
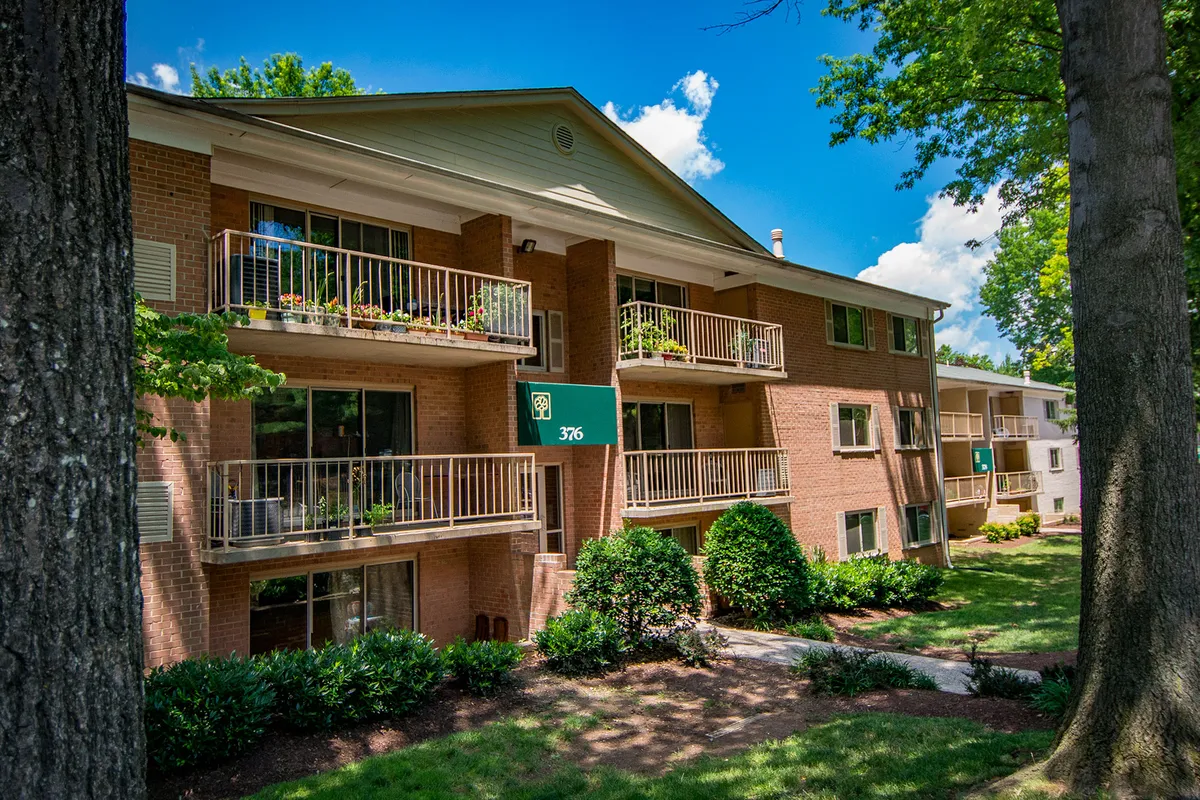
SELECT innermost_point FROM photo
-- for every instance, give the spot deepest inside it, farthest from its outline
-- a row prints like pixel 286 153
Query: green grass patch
pixel 852 756
pixel 1029 602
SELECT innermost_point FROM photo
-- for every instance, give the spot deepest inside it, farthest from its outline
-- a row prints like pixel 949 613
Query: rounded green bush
pixel 482 667
pixel 204 709
pixel 640 578
pixel 873 582
pixel 754 562
pixel 580 642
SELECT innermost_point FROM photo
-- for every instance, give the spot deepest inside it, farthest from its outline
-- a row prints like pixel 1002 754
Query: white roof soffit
pixel 182 122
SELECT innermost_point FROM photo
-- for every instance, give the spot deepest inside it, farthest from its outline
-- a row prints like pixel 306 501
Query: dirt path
pixel 654 716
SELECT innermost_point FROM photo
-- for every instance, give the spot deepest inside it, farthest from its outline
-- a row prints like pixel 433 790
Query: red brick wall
pixel 486 245
pixel 230 209
pixel 502 579
pixel 436 247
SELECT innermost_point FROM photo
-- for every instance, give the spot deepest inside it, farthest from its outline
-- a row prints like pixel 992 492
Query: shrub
pixel 580 642
pixel 482 667
pixel 986 679
pixel 839 670
pixel 872 582
pixel 204 709
pixel 382 674
pixel 698 649
pixel 754 562
pixel 640 578
pixel 1054 692
pixel 998 532
pixel 1029 524
pixel 812 628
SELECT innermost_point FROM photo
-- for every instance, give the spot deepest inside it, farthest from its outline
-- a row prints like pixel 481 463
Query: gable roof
pixel 972 375
pixel 421 125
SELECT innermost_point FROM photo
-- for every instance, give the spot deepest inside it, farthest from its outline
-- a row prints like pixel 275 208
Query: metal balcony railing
pixel 967 489
pixel 683 477
pixel 650 330
pixel 1015 484
pixel 959 425
pixel 293 281
pixel 321 499
pixel 1009 426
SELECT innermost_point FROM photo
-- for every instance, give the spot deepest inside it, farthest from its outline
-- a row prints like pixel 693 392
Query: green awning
pixel 565 414
pixel 981 459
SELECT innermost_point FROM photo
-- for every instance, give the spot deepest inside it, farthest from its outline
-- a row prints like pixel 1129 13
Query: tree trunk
pixel 70 602
pixel 1134 725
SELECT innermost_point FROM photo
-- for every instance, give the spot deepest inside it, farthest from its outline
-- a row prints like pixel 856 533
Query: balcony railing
pixel 649 330
pixel 271 502
pixel 967 489
pixel 690 477
pixel 1014 484
pixel 1009 426
pixel 957 425
pixel 292 281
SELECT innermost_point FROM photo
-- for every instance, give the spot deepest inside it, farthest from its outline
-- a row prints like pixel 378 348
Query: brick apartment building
pixel 506 328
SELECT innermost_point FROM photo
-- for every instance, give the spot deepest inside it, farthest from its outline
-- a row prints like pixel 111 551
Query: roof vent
pixel 564 138
pixel 777 242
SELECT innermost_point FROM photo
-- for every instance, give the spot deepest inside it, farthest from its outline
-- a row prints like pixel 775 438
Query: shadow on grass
pixel 1028 602
pixel 852 756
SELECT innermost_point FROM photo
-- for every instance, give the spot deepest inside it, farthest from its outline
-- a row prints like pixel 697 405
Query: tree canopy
pixel 282 75
pixel 955 358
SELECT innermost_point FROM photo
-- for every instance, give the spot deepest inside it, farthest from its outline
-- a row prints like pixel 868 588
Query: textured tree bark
pixel 70 602
pixel 1135 723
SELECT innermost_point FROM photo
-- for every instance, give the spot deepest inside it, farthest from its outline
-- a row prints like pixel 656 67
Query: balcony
pixel 1008 426
pixel 966 490
pixel 275 508
pixel 957 426
pixel 679 345
pixel 664 482
pixel 1018 484
pixel 343 304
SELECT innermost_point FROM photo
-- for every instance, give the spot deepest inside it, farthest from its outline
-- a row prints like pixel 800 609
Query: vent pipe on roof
pixel 1026 377
pixel 777 242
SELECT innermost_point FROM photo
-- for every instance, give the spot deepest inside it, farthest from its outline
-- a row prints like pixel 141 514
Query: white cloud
pixel 674 134
pixel 940 265
pixel 165 78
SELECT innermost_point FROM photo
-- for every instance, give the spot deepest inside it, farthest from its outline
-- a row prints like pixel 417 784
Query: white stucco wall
pixel 1062 483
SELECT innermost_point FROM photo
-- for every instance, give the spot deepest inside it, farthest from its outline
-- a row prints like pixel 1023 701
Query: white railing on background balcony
pixel 680 477
pixel 321 499
pixel 970 488
pixel 1010 426
pixel 649 330
pixel 957 425
pixel 1010 484
pixel 301 282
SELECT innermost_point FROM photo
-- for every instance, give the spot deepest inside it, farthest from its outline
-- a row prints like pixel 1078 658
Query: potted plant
pixel 740 345
pixel 334 312
pixel 376 516
pixel 293 308
pixel 472 325
pixel 395 322
pixel 641 338
pixel 420 326
pixel 503 309
pixel 671 350
pixel 257 310
pixel 367 316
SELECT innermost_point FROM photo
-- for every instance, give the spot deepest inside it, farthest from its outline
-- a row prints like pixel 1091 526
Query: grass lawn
pixel 1028 603
pixel 868 755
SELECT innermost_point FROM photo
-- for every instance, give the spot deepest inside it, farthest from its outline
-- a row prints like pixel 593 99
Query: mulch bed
pixel 655 715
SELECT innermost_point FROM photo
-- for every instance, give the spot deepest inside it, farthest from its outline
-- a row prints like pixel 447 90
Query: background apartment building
pixel 506 329
pixel 1003 452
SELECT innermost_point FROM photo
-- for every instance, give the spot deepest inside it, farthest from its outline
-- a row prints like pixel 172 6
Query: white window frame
pixel 540 346
pixel 907 543
pixel 881 534
pixel 1050 455
pixel 873 433
pixel 1050 407
pixel 664 403
pixel 868 322
pixel 1060 505
pixel 921 335
pixel 634 277
pixel 921 413
pixel 665 530
pixel 322 386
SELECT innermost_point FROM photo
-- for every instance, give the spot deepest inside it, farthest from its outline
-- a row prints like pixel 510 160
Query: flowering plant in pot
pixel 672 350
pixel 367 316
pixel 257 309
pixel 396 322
pixel 334 312
pixel 472 325
pixel 293 307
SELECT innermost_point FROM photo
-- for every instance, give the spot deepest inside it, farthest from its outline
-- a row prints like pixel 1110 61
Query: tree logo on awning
pixel 541 405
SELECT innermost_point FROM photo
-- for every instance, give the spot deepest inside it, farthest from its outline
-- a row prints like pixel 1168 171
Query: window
pixel 852 427
pixel 688 537
pixel 906 335
pixel 547 338
pixel 550 501
pixel 314 608
pixel 331 423
pixel 1056 459
pixel 1051 409
pixel 918 525
pixel 860 534
pixel 851 326
pixel 647 290
pixel 656 426
pixel 910 428
pixel 1059 505
pixel 332 231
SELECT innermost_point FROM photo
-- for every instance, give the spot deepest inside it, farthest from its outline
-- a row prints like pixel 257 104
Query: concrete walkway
pixel 951 676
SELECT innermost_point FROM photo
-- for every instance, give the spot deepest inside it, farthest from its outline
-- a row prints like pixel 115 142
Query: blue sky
pixel 732 113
